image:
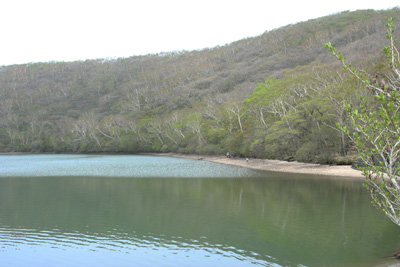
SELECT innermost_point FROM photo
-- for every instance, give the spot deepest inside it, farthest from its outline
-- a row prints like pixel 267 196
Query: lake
pixel 124 210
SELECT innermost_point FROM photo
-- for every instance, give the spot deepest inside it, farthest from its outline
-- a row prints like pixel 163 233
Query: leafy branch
pixel 376 124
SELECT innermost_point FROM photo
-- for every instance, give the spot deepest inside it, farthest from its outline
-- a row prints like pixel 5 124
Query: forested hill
pixel 273 96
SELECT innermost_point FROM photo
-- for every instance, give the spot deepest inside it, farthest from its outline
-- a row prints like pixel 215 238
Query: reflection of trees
pixel 301 220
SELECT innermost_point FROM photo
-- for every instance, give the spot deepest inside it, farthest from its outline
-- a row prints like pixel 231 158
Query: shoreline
pixel 345 171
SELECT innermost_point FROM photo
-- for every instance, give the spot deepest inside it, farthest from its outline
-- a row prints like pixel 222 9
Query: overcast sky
pixel 67 30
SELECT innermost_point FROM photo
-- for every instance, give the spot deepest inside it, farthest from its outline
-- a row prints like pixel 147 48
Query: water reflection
pixel 268 220
pixel 260 219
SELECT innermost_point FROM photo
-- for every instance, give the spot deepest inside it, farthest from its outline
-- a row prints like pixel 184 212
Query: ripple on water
pixel 113 166
pixel 152 249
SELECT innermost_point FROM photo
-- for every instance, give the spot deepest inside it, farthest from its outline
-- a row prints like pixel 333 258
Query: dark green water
pixel 70 210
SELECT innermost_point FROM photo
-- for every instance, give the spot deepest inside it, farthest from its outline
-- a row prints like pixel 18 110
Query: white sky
pixel 67 30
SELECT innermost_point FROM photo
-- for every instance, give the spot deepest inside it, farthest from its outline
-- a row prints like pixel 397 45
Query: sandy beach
pixel 278 165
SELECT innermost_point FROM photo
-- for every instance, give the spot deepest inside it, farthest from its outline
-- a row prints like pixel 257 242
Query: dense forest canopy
pixel 277 95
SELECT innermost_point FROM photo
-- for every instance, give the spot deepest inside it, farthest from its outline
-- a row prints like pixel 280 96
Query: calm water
pixel 80 210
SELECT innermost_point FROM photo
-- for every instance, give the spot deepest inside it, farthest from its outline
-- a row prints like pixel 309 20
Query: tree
pixel 376 126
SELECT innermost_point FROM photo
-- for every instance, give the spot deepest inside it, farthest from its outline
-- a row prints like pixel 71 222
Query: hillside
pixel 272 96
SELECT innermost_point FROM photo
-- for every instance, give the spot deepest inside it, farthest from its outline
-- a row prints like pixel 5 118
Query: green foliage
pixel 265 92
pixel 307 152
pixel 211 149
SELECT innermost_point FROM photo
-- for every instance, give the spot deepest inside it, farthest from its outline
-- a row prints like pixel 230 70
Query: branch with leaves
pixel 376 126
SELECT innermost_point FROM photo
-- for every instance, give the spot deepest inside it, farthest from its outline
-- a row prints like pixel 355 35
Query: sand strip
pixel 277 165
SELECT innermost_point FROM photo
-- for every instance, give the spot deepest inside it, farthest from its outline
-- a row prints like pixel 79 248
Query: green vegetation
pixel 277 95
pixel 376 133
